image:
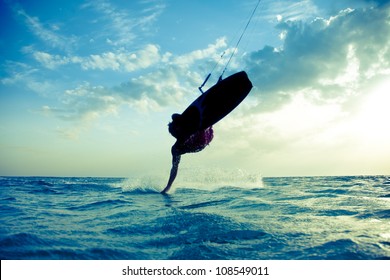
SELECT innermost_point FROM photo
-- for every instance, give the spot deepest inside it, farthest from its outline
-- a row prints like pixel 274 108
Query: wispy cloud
pixel 213 51
pixel 17 72
pixel 290 10
pixel 120 60
pixel 44 33
pixel 25 76
pixel 122 25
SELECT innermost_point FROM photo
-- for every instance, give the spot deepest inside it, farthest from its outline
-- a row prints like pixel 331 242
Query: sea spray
pixel 214 178
pixel 194 178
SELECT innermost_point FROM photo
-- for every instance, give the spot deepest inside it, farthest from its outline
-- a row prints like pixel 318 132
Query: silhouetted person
pixel 193 128
pixel 185 144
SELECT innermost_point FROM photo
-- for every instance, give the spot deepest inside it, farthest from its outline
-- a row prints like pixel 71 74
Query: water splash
pixel 194 178
pixel 214 178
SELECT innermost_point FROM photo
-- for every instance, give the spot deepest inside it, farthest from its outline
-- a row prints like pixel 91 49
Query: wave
pixel 74 254
pixel 22 239
pixel 383 214
pixel 98 205
pixel 205 204
pixel 343 249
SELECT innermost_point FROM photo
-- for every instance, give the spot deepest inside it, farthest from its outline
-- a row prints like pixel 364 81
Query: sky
pixel 87 88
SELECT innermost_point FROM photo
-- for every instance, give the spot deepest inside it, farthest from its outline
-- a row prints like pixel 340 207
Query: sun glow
pixel 369 131
pixel 375 113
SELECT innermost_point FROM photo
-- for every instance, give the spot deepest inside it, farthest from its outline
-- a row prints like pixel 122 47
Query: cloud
pixel 121 60
pixel 130 61
pixel 332 56
pixel 46 34
pixel 85 103
pixel 170 80
pixel 50 61
pixel 212 51
pixel 290 10
pixel 151 92
pixel 121 24
pixel 17 72
pixel 24 75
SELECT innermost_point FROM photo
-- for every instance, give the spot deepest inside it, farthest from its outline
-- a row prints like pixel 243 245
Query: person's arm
pixel 175 166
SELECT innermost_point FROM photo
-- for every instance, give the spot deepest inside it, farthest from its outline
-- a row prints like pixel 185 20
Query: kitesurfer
pixel 193 128
pixel 185 144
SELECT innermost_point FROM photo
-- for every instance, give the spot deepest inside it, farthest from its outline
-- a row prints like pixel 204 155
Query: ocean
pixel 224 215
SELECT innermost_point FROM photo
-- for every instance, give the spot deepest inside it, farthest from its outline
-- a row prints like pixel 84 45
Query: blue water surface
pixel 217 217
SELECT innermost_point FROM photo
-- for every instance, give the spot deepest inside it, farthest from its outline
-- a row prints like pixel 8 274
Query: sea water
pixel 225 215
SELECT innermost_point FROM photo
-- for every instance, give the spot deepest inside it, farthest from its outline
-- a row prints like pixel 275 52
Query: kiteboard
pixel 212 106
